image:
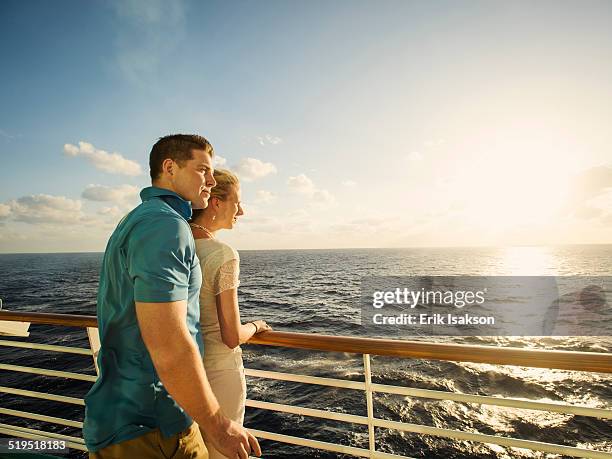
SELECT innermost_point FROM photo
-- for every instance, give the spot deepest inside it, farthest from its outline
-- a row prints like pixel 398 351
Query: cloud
pixel 269 140
pixel 5 211
pixel 7 136
pixel 265 197
pixel 44 208
pixel 113 163
pixel 149 12
pixel 427 145
pixel 598 207
pixel 293 222
pixel 591 194
pixel 302 184
pixel 587 212
pixel 602 201
pixel 10 236
pixel 366 225
pixel 414 156
pixel 263 224
pixel 249 169
pixel 219 161
pixel 121 193
pixel 593 181
pixel 349 183
pixel 323 197
pixel 112 212
pixel 433 143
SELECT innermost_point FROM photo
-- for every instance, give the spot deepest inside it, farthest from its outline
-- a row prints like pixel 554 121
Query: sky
pixel 350 123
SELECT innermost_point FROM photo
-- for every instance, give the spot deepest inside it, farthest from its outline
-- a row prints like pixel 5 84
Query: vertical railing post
pixel 369 403
pixel 94 343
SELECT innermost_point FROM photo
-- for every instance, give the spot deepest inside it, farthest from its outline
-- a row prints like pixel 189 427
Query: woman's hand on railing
pixel 261 326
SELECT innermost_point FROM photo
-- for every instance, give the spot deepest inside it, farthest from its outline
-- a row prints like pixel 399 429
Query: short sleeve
pixel 228 276
pixel 159 258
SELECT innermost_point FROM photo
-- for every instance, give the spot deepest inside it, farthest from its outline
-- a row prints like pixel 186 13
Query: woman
pixel 219 315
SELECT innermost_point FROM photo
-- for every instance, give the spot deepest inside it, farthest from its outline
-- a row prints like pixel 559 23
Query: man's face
pixel 194 179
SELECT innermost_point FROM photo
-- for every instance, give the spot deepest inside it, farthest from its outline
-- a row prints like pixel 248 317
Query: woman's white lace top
pixel 220 271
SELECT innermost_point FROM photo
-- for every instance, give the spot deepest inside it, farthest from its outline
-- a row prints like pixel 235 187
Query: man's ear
pixel 168 166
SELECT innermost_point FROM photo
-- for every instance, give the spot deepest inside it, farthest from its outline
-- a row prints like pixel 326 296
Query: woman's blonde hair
pixel 225 181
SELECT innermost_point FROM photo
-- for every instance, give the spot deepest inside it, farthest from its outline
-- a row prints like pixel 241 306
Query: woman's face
pixel 230 209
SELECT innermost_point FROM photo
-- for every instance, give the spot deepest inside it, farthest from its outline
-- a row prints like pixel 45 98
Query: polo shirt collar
pixel 180 205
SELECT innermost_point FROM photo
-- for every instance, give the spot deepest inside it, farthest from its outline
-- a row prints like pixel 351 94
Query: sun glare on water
pixel 527 261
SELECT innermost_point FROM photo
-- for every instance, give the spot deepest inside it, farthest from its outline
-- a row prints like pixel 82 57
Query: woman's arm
pixel 233 332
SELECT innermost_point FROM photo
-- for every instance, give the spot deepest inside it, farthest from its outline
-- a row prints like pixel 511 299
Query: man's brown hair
pixel 177 147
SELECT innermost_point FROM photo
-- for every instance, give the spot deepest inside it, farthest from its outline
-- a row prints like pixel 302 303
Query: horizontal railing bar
pixel 311 443
pixel 498 401
pixel 381 388
pixel 57 436
pixel 47 347
pixel 45 372
pixel 41 417
pixel 305 379
pixel 381 455
pixel 439 395
pixel 503 441
pixel 322 414
pixel 43 395
pixel 45 318
pixel 548 447
pixel 564 360
pixel 316 444
pixel 27 435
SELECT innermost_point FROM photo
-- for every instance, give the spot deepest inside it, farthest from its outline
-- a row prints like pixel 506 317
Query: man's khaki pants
pixel 187 444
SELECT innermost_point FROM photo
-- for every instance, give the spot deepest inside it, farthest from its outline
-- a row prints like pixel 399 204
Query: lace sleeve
pixel 227 277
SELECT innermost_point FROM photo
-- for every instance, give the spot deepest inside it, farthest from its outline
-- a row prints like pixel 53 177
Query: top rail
pixel 597 362
pixel 564 360
pixel 69 320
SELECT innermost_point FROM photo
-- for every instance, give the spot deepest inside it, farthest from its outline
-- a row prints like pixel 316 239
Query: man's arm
pixel 176 357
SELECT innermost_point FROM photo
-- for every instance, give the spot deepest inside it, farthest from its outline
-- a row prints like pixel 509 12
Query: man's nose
pixel 211 182
pixel 240 211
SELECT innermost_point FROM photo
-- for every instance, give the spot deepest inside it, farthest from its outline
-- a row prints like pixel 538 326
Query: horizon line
pixel 358 248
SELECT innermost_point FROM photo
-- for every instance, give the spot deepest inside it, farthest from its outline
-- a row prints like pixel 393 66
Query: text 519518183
pixel 35 445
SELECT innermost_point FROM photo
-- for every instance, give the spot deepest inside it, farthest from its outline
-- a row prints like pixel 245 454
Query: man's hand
pixel 163 327
pixel 231 439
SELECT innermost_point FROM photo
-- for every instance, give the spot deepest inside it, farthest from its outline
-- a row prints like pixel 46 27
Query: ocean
pixel 317 291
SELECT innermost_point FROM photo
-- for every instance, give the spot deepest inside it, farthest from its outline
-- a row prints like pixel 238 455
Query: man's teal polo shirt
pixel 150 258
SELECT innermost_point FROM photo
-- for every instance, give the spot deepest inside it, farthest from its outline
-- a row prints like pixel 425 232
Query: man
pixel 152 385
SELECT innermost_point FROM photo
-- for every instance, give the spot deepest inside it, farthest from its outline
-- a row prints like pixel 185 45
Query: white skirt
pixel 229 386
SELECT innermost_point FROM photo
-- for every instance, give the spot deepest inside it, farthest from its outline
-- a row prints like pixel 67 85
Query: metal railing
pixel 576 361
